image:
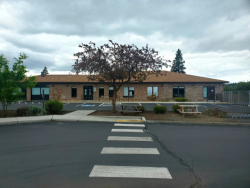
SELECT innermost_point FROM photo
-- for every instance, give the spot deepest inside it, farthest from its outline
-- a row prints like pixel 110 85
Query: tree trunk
pixel 4 109
pixel 114 101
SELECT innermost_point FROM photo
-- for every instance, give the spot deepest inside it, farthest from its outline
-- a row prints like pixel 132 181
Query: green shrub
pixel 36 111
pixel 142 108
pixel 175 108
pixel 180 99
pixel 53 106
pixel 160 109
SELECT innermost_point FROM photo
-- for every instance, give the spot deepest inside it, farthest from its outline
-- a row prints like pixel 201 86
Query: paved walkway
pixel 79 115
pixel 83 115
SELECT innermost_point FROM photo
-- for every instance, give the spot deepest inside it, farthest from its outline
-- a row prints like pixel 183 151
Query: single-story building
pixel 166 87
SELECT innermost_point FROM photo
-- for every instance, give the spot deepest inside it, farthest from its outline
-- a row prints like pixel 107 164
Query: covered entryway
pixel 211 93
pixel 88 92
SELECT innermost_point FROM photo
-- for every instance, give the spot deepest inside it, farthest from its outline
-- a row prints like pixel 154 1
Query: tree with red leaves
pixel 115 64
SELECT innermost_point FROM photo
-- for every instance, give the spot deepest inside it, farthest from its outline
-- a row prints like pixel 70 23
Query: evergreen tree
pixel 45 71
pixel 178 63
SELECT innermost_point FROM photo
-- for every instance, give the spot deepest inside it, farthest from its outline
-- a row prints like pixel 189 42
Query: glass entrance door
pixel 88 92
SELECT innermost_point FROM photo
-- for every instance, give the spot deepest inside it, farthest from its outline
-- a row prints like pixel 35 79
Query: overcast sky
pixel 213 35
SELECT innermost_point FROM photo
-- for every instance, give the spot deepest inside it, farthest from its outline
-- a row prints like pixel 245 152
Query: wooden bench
pixel 134 109
pixel 129 111
pixel 193 108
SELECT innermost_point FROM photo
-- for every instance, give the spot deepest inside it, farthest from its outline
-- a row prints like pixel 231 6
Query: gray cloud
pixel 49 31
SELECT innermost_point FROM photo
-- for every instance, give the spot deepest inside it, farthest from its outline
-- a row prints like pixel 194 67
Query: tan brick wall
pixel 63 91
pixel 193 92
pixel 28 94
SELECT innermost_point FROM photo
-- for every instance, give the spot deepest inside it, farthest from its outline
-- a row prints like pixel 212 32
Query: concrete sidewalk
pixel 79 115
pixel 110 102
pixel 83 115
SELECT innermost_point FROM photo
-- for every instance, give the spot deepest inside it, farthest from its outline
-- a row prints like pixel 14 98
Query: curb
pixel 196 123
pixel 18 120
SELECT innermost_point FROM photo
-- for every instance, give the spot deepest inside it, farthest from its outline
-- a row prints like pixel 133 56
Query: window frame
pixel 99 92
pixel 72 92
pixel 179 87
pixel 129 89
pixel 111 92
pixel 203 91
pixel 152 89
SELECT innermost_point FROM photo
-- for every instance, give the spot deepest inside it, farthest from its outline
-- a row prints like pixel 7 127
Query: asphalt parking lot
pixel 229 108
pixel 64 154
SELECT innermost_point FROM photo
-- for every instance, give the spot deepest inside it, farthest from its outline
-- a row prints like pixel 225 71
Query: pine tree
pixel 45 71
pixel 178 63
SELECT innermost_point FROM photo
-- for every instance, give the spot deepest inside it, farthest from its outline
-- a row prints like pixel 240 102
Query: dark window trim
pixel 72 92
pixel 99 92
pixel 152 90
pixel 111 92
pixel 178 91
pixel 203 90
pixel 128 91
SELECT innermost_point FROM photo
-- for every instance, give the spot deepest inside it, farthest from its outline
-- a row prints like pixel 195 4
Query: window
pixel 128 91
pixel 46 91
pixel 178 92
pixel 204 92
pixel 111 91
pixel 36 91
pixel 73 91
pixel 101 91
pixel 152 90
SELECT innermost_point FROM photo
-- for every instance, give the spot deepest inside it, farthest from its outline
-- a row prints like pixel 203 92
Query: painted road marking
pixel 129 138
pixel 78 105
pixel 128 130
pixel 219 105
pixel 106 104
pixel 115 150
pixel 130 172
pixel 130 125
pixel 32 103
pixel 128 120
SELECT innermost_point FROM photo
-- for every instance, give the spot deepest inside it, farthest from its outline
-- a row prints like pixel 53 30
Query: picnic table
pixel 189 109
pixel 129 108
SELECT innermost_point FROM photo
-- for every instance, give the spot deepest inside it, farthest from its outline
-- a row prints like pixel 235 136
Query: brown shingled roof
pixel 170 77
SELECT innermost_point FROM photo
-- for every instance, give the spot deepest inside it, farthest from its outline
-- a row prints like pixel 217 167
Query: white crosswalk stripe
pixel 129 125
pixel 116 150
pixel 128 130
pixel 129 138
pixel 130 172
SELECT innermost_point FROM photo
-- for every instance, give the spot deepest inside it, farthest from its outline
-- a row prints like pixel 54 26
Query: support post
pixel 249 98
pixel 238 97
pixel 231 95
pixel 43 98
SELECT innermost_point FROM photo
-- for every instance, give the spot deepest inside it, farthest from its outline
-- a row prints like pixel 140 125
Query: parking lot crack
pixel 198 180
